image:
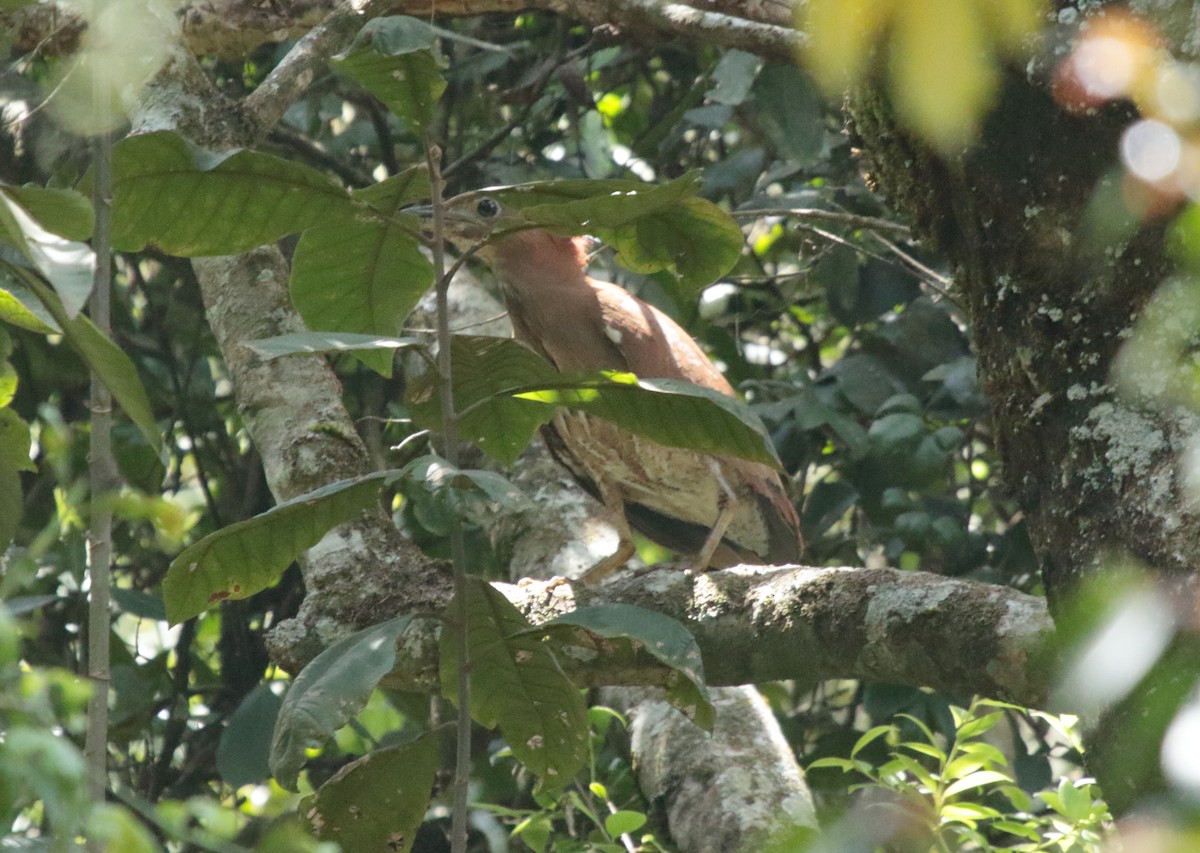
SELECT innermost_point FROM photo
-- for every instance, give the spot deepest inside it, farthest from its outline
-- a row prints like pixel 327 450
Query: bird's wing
pixel 652 344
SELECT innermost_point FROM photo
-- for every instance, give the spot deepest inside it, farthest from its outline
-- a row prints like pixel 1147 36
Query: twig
pixel 854 220
pixel 462 760
pixel 102 476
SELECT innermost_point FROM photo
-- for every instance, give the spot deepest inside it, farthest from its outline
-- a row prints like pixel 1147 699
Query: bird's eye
pixel 488 208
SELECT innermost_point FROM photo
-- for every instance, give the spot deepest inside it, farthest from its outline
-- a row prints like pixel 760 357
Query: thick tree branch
pixel 727 792
pixel 233 28
pixel 292 408
pixel 290 79
pixel 756 624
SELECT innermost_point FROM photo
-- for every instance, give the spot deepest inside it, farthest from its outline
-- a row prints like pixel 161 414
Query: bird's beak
pixel 424 211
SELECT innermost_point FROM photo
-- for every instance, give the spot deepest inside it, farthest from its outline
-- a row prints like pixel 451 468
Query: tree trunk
pixel 1051 300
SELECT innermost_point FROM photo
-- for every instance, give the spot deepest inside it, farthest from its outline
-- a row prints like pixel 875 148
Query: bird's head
pixel 501 235
pixel 472 217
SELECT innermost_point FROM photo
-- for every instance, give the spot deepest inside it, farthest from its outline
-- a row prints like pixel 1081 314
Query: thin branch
pixel 285 137
pixel 656 16
pixel 289 80
pixel 102 477
pixel 854 220
pixel 458 556
pixel 919 267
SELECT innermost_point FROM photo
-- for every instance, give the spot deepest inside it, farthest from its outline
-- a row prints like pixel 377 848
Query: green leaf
pixel 360 276
pixel 843 764
pixel 329 692
pixel 623 821
pixel 66 213
pixel 484 369
pixel 790 112
pixel 11 502
pixel 973 728
pixel 942 70
pixel 463 489
pixel 695 240
pixel 107 361
pixel 378 801
pixel 592 206
pixel 113 827
pixel 506 391
pixel 244 558
pixel 975 780
pixel 312 342
pixel 535 831
pixel 652 227
pixel 21 307
pixel 68 265
pixel 15 441
pixel 669 411
pixel 517 685
pixel 733 77
pixel 1076 803
pixel 14 457
pixel 190 202
pixel 662 637
pixel 391 195
pixel 392 58
pixel 244 748
pixel 869 737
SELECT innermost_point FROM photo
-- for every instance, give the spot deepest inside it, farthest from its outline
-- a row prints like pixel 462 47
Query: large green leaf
pixel 107 361
pixel 20 306
pixel 517 685
pixel 653 227
pixel 243 558
pixel 244 748
pixel 672 412
pixel 660 636
pixel 393 59
pixel 361 276
pixel 66 213
pixel 694 239
pixel 67 264
pixel 299 343
pixel 469 494
pixel 190 202
pixel 329 692
pixel 497 379
pixel 391 195
pixel 378 801
pixel 484 368
pixel 599 204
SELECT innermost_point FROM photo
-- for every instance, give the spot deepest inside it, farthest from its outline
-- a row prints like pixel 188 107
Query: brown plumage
pixel 723 510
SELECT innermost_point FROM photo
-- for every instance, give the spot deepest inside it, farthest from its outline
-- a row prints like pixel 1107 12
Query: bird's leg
pixel 727 504
pixel 615 504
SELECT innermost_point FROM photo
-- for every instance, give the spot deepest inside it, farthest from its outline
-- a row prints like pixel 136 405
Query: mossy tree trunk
pixel 1051 301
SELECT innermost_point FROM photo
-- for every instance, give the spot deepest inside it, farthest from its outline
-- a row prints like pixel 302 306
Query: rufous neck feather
pixel 536 261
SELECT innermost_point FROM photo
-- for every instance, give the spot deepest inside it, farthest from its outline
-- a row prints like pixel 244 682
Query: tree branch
pixel 756 624
pixel 731 790
pixel 233 28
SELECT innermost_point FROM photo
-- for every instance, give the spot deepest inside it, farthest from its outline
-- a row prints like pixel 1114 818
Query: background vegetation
pixel 843 327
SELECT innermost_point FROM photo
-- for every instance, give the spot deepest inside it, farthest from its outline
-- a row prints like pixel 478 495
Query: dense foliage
pixel 842 332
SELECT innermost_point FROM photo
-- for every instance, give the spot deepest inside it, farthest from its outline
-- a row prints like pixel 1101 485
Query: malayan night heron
pixel 721 510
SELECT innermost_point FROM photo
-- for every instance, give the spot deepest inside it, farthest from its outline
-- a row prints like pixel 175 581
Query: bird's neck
pixel 534 264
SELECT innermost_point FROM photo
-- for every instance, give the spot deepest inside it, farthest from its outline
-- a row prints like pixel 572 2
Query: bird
pixel 720 510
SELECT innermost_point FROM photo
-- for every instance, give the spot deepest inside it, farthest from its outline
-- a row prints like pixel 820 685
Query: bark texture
pixel 725 792
pixel 1097 473
pixel 1052 297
